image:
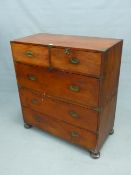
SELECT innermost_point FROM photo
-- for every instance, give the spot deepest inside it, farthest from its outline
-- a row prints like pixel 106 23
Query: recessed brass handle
pixel 67 51
pixel 74 88
pixel 29 54
pixel 31 77
pixel 34 101
pixel 74 114
pixel 74 134
pixel 74 60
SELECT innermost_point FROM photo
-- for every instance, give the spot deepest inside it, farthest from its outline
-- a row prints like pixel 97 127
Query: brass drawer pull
pixel 37 118
pixel 74 88
pixel 74 114
pixel 67 51
pixel 29 54
pixel 74 134
pixel 74 60
pixel 31 77
pixel 34 101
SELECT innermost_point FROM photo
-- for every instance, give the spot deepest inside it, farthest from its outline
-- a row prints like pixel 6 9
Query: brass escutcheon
pixel 67 51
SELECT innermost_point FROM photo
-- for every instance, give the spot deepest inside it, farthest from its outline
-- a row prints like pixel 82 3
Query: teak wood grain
pixel 38 54
pixel 95 44
pixel 88 62
pixel 111 69
pixel 58 83
pixel 72 114
pixel 68 85
pixel 107 117
pixel 61 129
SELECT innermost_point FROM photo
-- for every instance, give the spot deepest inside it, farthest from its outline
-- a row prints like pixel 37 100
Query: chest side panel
pixel 106 124
pixel 109 87
pixel 111 69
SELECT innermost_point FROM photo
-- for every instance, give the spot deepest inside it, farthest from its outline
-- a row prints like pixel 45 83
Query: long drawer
pixel 71 87
pixel 73 114
pixel 61 129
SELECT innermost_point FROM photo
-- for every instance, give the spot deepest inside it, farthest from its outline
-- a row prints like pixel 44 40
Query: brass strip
pixel 49 48
pixel 97 109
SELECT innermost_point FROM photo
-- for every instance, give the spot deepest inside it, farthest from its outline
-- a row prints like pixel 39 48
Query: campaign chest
pixel 68 86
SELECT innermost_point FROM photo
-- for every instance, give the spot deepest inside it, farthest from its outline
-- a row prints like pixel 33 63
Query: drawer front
pixel 76 61
pixel 71 87
pixel 30 54
pixel 61 129
pixel 73 114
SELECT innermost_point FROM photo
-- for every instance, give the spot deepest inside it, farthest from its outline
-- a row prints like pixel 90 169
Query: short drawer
pixel 71 87
pixel 61 129
pixel 76 61
pixel 30 54
pixel 73 114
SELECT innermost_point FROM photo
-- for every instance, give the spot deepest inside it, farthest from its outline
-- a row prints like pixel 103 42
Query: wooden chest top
pixel 79 42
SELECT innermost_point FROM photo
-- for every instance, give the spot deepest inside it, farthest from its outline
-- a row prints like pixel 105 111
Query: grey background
pixel 29 152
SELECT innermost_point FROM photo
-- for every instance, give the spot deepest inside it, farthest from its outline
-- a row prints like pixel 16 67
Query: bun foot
pixel 111 132
pixel 95 155
pixel 27 126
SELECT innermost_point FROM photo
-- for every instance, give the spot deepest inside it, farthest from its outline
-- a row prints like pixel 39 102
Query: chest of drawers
pixel 68 86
